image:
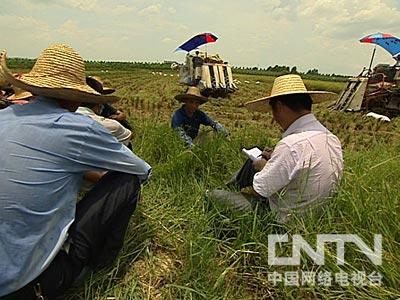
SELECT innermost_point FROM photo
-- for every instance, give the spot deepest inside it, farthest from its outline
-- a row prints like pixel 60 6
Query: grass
pixel 182 246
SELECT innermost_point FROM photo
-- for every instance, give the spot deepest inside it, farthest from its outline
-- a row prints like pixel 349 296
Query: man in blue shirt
pixel 47 149
pixel 189 117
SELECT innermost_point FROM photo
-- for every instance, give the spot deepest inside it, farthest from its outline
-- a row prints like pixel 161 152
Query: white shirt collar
pixel 307 122
pixel 85 111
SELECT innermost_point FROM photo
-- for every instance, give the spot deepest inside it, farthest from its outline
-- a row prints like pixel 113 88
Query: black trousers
pixel 243 201
pixel 96 236
pixel 244 177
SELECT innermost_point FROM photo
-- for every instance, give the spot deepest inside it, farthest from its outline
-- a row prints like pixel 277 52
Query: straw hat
pixel 19 94
pixel 97 84
pixel 4 84
pixel 192 93
pixel 288 85
pixel 59 72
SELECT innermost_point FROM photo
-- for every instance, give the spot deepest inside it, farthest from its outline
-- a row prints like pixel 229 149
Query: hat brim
pixel 262 104
pixel 76 93
pixel 20 96
pixel 107 91
pixel 97 85
pixel 184 97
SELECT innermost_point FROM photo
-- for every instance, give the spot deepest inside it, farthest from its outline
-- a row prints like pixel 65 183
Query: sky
pixel 320 34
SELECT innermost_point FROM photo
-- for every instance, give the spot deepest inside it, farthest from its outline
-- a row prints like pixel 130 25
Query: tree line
pixel 27 63
pixel 282 70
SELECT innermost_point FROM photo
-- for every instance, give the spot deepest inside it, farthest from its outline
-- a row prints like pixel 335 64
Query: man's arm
pixel 276 173
pixel 121 133
pixel 207 121
pixel 188 140
pixel 100 151
pixel 177 124
pixel 218 127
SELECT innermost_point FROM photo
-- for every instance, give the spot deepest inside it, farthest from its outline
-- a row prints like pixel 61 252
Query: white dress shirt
pixel 304 169
pixel 121 133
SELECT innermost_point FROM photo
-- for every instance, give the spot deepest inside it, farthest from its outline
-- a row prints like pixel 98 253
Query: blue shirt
pixel 190 125
pixel 45 150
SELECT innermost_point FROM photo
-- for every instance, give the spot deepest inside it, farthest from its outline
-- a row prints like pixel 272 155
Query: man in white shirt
pixel 122 134
pixel 94 110
pixel 305 167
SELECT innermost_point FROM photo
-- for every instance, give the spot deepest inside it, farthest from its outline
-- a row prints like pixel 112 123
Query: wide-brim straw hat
pixel 192 93
pixel 59 72
pixel 97 84
pixel 19 94
pixel 288 85
pixel 4 84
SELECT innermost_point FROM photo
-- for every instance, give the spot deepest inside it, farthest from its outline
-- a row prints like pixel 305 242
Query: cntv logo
pixel 318 255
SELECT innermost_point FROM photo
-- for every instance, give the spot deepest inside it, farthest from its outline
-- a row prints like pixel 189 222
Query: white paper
pixel 253 153
pixel 378 116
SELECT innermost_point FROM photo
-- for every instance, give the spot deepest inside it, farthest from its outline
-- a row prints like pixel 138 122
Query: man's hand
pixel 93 176
pixel 118 116
pixel 221 129
pixel 259 164
pixel 266 154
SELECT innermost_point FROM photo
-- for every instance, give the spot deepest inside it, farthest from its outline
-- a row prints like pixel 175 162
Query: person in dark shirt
pixel 108 111
pixel 187 119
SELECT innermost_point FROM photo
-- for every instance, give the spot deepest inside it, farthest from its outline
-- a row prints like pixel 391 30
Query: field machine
pixel 211 74
pixel 376 90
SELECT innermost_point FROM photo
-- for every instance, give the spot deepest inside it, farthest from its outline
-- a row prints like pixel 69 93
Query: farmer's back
pixel 48 149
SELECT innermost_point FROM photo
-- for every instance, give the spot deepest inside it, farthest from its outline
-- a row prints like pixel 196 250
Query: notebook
pixel 253 153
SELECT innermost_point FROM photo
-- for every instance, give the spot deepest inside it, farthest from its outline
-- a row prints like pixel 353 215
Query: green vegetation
pixel 181 245
pixel 109 66
pixel 27 63
pixel 282 70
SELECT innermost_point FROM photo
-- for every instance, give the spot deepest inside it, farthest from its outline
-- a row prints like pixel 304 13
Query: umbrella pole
pixel 370 63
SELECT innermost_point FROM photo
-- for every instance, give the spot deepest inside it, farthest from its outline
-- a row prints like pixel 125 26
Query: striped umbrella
pixel 197 40
pixel 387 41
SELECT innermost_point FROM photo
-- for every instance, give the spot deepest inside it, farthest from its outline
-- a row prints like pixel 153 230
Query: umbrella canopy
pixel 198 40
pixel 387 41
